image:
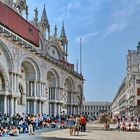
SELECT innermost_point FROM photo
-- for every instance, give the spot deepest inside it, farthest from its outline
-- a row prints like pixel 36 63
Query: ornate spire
pixel 64 42
pixel 45 23
pixel 63 35
pixel 44 18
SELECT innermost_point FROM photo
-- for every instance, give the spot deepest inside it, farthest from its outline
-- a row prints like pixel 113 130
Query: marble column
pixel 50 93
pixel 60 108
pixel 34 107
pixel 55 108
pixel 5 104
pixel 8 104
pixel 35 88
pixel 12 82
pixel 12 106
pixel 43 89
pixel 31 89
pixel 15 85
pixel 50 108
pixel 15 105
pixel 40 89
pixel 54 93
pixel 27 106
pixel 16 82
pixel 27 88
pixel 39 107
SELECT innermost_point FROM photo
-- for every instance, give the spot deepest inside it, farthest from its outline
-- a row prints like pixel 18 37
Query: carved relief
pixel 43 64
pixel 16 54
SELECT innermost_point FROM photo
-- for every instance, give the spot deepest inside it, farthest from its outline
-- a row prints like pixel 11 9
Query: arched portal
pixel 53 83
pixel 68 94
pixel 27 85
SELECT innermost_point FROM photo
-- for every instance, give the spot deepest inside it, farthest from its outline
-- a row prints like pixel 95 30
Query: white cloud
pixel 65 10
pixel 63 15
pixel 73 5
pixel 115 27
pixel 121 18
pixel 86 36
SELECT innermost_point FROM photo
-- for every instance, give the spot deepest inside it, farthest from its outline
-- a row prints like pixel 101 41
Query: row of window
pixel 91 113
pixel 95 108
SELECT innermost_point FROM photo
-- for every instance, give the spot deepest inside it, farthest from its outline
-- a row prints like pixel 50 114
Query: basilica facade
pixel 35 75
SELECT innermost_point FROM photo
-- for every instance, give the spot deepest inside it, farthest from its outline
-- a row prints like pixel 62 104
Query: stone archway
pixel 69 96
pixel 26 79
pixel 53 84
pixel 28 86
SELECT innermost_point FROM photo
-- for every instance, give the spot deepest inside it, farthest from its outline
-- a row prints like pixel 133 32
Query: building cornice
pixel 16 39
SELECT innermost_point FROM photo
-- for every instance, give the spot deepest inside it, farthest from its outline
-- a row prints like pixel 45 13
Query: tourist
pixel 83 123
pixel 30 125
pixel 14 131
pixel 106 126
pixel 77 125
pixel 123 126
pixel 5 131
pixel 71 123
pixel 118 125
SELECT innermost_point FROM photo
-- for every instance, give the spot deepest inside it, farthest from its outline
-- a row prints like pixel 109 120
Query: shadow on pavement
pixel 55 138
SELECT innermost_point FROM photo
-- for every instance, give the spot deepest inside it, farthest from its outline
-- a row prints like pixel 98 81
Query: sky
pixel 108 28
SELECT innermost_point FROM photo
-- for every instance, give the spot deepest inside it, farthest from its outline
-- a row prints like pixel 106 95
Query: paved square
pixel 90 134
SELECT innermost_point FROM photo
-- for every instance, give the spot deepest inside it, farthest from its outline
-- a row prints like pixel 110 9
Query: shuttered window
pixel 138 91
pixel 138 102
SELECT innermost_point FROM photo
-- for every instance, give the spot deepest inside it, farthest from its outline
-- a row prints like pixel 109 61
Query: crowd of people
pixel 76 123
pixel 28 123
pixel 128 124
pixel 21 123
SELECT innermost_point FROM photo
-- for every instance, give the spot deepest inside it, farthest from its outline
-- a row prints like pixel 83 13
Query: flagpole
pixel 80 55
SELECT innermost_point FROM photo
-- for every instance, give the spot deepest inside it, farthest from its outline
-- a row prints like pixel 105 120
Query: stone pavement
pixel 90 134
